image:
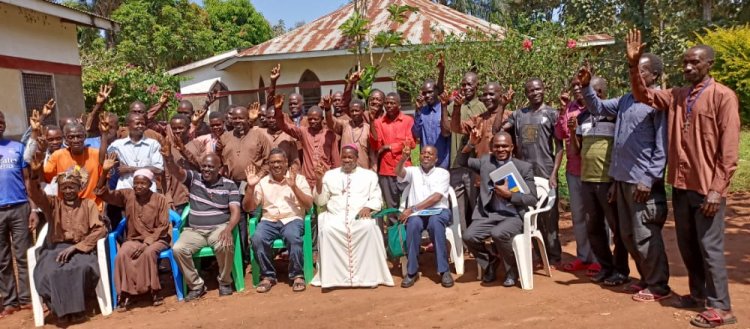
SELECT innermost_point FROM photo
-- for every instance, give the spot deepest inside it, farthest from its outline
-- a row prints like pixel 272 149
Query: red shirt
pixel 394 133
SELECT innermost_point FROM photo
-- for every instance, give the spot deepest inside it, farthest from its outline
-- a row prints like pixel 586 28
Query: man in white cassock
pixel 352 253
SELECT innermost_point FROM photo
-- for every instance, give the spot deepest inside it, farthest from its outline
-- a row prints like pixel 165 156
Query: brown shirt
pixel 147 222
pixel 489 123
pixel 79 224
pixel 355 135
pixel 240 152
pixel 703 146
pixel 176 191
pixel 287 143
pixel 315 148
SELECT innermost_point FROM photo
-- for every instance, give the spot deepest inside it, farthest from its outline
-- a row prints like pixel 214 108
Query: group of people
pixel 343 161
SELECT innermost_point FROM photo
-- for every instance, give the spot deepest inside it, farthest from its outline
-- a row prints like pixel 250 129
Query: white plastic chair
pixel 452 234
pixel 102 288
pixel 522 248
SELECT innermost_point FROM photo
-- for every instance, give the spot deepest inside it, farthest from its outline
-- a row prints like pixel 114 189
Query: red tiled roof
pixel 425 26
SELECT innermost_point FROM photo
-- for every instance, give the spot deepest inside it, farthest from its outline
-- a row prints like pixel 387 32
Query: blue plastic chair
pixel 118 232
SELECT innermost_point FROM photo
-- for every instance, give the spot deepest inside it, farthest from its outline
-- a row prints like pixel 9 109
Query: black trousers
pixel 701 243
pixel 14 229
pixel 598 210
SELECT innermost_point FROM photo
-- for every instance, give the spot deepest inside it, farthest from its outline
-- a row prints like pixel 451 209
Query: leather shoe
pixel 446 280
pixel 195 294
pixel 489 274
pixel 409 281
pixel 225 290
pixel 601 276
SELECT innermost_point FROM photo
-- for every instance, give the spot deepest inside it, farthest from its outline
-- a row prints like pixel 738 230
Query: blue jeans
pixel 435 225
pixel 268 231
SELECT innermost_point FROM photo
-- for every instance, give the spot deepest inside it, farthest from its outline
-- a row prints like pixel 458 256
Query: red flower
pixel 571 43
pixel 527 45
pixel 152 89
pixel 178 96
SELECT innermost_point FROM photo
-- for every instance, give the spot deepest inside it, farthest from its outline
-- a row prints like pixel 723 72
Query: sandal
pixel 711 318
pixel 646 295
pixel 574 266
pixel 156 300
pixel 635 287
pixel 688 302
pixel 265 285
pixel 123 305
pixel 594 269
pixel 299 285
pixel 615 280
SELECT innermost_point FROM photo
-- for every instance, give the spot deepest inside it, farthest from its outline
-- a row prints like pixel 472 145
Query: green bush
pixel 732 65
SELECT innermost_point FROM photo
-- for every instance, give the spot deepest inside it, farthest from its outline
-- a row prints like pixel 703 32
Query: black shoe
pixel 601 276
pixel 225 290
pixel 489 274
pixel 409 280
pixel 446 280
pixel 616 279
pixel 195 294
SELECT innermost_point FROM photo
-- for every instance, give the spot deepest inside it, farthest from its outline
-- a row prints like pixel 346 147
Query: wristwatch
pixel 414 209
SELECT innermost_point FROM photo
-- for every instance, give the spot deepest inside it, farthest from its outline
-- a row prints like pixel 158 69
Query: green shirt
pixel 468 110
pixel 597 141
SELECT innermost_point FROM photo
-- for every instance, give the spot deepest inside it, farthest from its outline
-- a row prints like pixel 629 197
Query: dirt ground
pixel 566 300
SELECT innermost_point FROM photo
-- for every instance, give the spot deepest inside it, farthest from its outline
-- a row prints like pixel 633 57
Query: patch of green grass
pixel 741 178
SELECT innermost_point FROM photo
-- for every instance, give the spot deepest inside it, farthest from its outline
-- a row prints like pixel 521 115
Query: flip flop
pixel 646 295
pixel 635 287
pixel 574 266
pixel 299 285
pixel 711 318
pixel 593 269
pixel 265 286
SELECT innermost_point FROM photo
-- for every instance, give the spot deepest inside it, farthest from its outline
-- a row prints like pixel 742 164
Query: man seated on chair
pixel 352 253
pixel 67 268
pixel 283 197
pixel 499 213
pixel 147 234
pixel 214 213
pixel 426 208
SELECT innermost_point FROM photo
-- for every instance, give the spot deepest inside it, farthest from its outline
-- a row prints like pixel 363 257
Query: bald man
pixel 499 213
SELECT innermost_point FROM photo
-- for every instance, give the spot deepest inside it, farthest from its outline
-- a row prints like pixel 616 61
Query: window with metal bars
pixel 37 90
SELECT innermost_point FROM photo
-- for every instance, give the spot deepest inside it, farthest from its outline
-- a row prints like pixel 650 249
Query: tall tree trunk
pixel 707 4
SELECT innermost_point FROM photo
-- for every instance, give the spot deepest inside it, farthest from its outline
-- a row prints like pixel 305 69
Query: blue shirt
pixel 639 154
pixel 427 128
pixel 93 142
pixel 12 187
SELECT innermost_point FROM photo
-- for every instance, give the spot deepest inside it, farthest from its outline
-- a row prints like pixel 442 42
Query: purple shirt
pixel 562 132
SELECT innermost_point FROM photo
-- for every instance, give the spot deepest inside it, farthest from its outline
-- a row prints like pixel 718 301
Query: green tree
pixel 236 24
pixel 159 35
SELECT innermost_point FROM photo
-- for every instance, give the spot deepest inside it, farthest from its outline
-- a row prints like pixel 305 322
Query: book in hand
pixel 427 212
pixel 510 173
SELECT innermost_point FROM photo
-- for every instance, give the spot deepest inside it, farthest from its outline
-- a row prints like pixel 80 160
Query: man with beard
pixel 703 127
pixel 348 209
pixel 214 212
pixel 499 214
pixel 534 128
pixel 284 197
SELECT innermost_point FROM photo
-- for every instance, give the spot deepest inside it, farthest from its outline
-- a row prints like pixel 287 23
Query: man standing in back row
pixel 703 125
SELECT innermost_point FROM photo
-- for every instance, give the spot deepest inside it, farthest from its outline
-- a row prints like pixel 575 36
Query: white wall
pixel 28 34
pixel 12 103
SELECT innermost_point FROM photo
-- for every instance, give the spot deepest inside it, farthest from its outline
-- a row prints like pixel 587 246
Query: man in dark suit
pixel 499 213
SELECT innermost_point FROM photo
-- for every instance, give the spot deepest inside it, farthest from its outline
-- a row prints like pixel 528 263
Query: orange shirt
pixel 62 160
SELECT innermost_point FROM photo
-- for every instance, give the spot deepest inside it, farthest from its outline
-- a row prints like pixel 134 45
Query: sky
pixel 293 11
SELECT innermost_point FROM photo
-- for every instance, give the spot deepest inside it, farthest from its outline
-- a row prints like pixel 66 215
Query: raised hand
pixel 104 124
pixel 219 147
pixel 35 122
pixel 564 101
pixel 276 72
pixel 459 100
pixel 211 97
pixel 320 170
pixel 254 111
pixel 278 102
pixel 407 149
pixel 476 134
pixel 109 161
pixel 356 76
pixel 164 98
pixel 47 109
pixel 634 46
pixel 445 98
pixel 441 61
pixel 198 115
pixel 166 146
pixel 251 175
pixel 326 101
pixel 177 143
pixel 104 91
pixel 419 102
pixel 584 74
pixel 291 179
pixel 507 97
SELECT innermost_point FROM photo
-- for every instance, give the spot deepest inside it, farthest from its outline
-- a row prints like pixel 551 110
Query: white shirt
pixel 141 154
pixel 422 185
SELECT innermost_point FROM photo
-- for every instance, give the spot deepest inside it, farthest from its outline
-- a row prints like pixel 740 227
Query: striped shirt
pixel 209 204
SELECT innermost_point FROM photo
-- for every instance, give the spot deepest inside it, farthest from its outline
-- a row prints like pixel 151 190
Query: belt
pixel 11 206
